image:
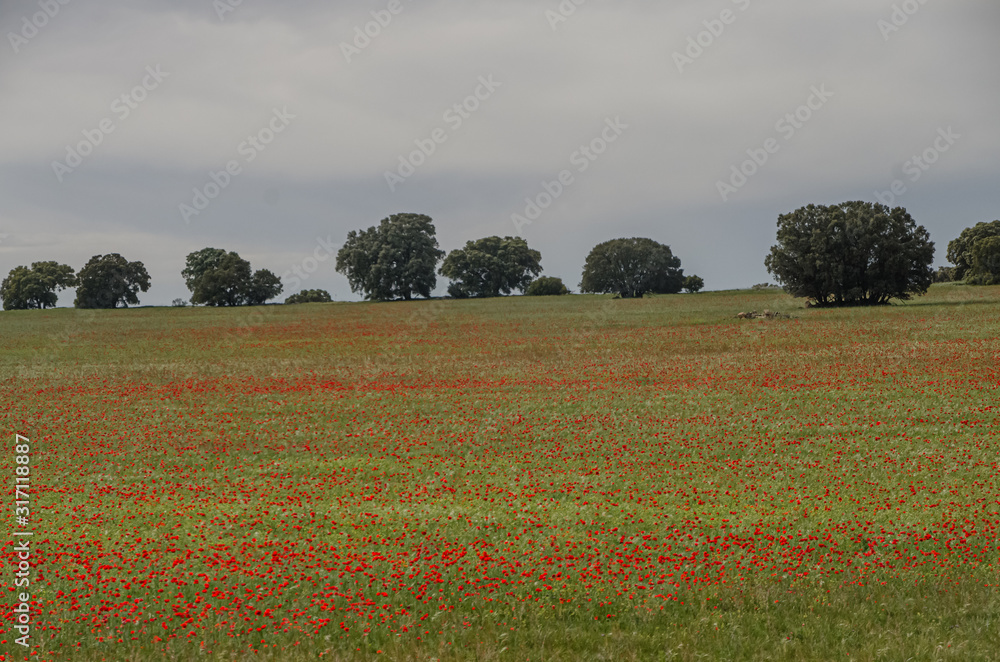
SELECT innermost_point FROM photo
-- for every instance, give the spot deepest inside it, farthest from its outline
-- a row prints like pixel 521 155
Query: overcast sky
pixel 116 115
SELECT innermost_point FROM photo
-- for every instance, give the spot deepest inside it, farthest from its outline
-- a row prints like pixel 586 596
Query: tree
pixel 944 275
pixel 854 253
pixel 200 262
pixel 632 267
pixel 456 291
pixel 220 278
pixel 492 266
pixel 310 296
pixel 264 286
pixel 546 286
pixel 396 259
pixel 108 280
pixel 36 287
pixel 217 278
pixel 960 249
pixel 985 262
pixel 693 284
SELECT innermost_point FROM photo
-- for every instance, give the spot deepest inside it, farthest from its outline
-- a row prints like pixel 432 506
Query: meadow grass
pixel 534 428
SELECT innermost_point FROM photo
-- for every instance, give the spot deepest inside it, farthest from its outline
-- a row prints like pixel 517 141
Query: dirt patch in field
pixel 765 315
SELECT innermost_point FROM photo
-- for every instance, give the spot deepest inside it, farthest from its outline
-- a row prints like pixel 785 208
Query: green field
pixel 550 478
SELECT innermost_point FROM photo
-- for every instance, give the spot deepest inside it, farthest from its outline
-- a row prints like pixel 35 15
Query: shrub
pixel 546 286
pixel 693 284
pixel 310 296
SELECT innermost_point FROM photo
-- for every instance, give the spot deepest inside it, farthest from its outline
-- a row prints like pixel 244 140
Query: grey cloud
pixel 326 173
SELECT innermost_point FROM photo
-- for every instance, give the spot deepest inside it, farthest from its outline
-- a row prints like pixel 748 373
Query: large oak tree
pixel 222 278
pixel 851 254
pixel 107 281
pixel 491 267
pixel 396 259
pixel 971 254
pixel 632 267
pixel 25 288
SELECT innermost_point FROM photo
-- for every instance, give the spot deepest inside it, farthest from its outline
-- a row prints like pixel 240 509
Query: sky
pixel 156 128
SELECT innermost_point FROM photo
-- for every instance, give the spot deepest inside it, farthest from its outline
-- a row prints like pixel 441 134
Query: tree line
pixel 854 253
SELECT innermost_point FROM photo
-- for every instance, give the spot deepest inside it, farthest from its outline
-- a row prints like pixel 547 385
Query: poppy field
pixel 528 478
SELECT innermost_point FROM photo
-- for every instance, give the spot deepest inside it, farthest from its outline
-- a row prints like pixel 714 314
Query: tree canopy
pixel 546 286
pixel 25 288
pixel 491 267
pixel 109 280
pixel 693 284
pixel 985 262
pixel 854 253
pixel 397 259
pixel 216 277
pixel 310 296
pixel 960 252
pixel 264 286
pixel 632 267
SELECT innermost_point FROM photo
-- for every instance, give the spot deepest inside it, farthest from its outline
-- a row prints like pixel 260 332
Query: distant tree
pixel 960 249
pixel 21 288
pixel 36 287
pixel 198 263
pixel 220 278
pixel 632 267
pixel 985 262
pixel 693 284
pixel 766 286
pixel 264 286
pixel 396 259
pixel 492 266
pixel 310 296
pixel 456 291
pixel 178 303
pixel 944 275
pixel 854 253
pixel 546 286
pixel 217 278
pixel 109 280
